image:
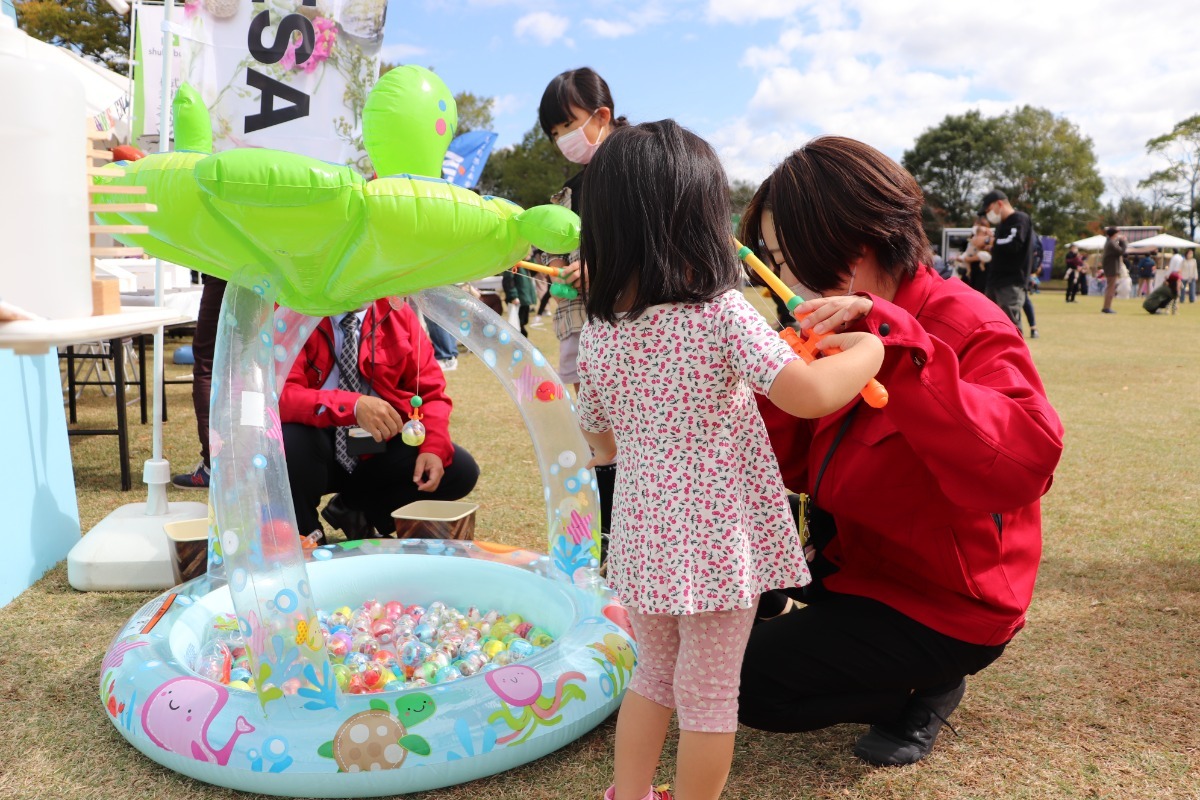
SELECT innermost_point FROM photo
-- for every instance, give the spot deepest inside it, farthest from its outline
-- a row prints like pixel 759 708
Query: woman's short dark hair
pixel 656 222
pixel 830 199
pixel 581 88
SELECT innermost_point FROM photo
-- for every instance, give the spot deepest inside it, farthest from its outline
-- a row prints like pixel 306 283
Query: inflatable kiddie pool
pixel 385 743
pixel 316 238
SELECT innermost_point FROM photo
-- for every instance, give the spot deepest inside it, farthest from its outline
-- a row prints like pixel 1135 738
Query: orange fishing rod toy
pixel 563 291
pixel 803 344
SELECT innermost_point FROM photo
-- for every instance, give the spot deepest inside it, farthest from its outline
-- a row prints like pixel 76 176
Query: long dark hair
pixel 830 199
pixel 655 222
pixel 582 88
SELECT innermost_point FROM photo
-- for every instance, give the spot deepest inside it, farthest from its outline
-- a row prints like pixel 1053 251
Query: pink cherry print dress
pixel 700 517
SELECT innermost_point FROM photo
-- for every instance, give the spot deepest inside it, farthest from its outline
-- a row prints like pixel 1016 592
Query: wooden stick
pixel 100 188
pixel 117 252
pixel 121 208
pixel 114 172
pixel 118 229
pixel 99 136
pixel 100 155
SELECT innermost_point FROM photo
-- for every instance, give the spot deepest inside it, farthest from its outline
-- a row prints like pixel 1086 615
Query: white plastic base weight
pixel 127 550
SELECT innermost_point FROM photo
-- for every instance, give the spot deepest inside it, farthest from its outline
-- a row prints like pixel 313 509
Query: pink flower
pixel 323 47
pixel 191 8
pixel 289 56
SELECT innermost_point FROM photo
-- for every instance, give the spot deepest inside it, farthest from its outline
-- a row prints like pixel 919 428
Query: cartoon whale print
pixel 177 715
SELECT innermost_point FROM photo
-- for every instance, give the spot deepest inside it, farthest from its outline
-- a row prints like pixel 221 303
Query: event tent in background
pixel 1091 243
pixel 1162 240
pixel 105 92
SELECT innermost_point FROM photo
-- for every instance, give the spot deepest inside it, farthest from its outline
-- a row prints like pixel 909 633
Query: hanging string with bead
pixel 413 432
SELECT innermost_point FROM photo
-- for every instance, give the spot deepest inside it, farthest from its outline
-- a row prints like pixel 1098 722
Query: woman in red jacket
pixel 926 512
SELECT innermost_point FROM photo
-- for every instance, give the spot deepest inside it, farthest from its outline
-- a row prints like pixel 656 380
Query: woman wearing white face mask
pixel 576 112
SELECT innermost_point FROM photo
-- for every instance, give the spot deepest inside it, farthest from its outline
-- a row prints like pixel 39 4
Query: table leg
pixel 142 374
pixel 71 381
pixel 115 348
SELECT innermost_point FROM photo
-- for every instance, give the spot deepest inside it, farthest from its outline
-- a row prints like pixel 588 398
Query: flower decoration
pixel 326 37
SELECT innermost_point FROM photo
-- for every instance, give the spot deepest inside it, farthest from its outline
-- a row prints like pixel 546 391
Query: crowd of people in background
pixel 1113 273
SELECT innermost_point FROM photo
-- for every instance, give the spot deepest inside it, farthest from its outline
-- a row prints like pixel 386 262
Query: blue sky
pixel 758 78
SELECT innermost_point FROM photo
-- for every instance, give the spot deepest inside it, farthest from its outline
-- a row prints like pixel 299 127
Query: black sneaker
pixel 1108 311
pixel 196 479
pixel 349 521
pixel 911 737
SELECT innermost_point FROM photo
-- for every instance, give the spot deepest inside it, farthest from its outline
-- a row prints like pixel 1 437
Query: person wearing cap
pixel 1011 250
pixel 1110 262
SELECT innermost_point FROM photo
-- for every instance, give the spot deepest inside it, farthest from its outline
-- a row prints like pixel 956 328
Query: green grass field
pixel 1099 697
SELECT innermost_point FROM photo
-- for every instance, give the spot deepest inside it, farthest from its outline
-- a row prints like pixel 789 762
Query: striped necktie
pixel 349 380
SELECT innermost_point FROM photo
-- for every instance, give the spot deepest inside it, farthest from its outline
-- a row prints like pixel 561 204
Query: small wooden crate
pixel 435 519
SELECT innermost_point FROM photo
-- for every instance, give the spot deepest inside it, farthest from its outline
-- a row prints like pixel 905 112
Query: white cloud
pixel 634 18
pixel 505 104
pixel 885 70
pixel 610 29
pixel 401 53
pixel 542 27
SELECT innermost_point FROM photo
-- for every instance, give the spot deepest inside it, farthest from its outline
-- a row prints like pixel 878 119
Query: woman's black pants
pixel 846 659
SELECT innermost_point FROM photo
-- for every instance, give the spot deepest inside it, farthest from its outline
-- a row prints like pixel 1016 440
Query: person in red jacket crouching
pixel 362 370
pixel 926 518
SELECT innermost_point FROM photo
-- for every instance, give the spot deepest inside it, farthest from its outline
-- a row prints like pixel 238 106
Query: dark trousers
pixel 204 344
pixel 444 345
pixel 1027 307
pixel 846 659
pixel 523 317
pixel 377 487
pixel 545 302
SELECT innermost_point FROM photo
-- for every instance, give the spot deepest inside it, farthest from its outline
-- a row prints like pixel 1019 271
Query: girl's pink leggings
pixel 693 663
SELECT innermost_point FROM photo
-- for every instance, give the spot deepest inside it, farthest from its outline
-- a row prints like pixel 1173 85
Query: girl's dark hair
pixel 581 88
pixel 830 199
pixel 656 222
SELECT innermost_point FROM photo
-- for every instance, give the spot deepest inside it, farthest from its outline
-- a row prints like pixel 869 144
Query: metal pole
pixel 157 471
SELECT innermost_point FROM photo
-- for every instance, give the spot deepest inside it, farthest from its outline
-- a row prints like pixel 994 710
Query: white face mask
pixel 994 217
pixel 575 145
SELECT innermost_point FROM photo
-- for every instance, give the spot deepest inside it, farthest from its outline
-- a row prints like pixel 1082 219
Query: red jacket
pixel 936 496
pixel 391 345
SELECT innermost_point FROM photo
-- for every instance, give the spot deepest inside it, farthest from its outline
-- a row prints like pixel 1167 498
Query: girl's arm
pixel 604 448
pixel 822 387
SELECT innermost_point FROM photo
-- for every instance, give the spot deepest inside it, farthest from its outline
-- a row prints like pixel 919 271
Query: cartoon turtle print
pixel 378 739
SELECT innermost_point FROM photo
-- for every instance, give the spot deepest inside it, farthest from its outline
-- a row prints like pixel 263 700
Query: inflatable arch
pixel 269 216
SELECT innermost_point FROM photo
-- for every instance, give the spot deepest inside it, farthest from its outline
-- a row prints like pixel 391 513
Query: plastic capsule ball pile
pixel 388 646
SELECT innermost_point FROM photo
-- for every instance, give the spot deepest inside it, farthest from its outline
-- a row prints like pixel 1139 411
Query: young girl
pixel 668 359
pixel 576 113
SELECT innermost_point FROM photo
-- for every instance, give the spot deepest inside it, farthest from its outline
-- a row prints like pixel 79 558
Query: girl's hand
pixel 601 459
pixel 826 314
pixel 574 275
pixel 845 341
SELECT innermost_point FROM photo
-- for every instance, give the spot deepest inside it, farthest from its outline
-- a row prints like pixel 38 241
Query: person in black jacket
pixel 1008 272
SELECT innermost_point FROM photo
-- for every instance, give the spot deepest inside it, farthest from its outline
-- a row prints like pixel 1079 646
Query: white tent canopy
pixel 105 93
pixel 1162 240
pixel 1092 242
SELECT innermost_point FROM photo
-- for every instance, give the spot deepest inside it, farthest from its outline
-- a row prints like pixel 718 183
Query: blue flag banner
pixel 1048 244
pixel 466 157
